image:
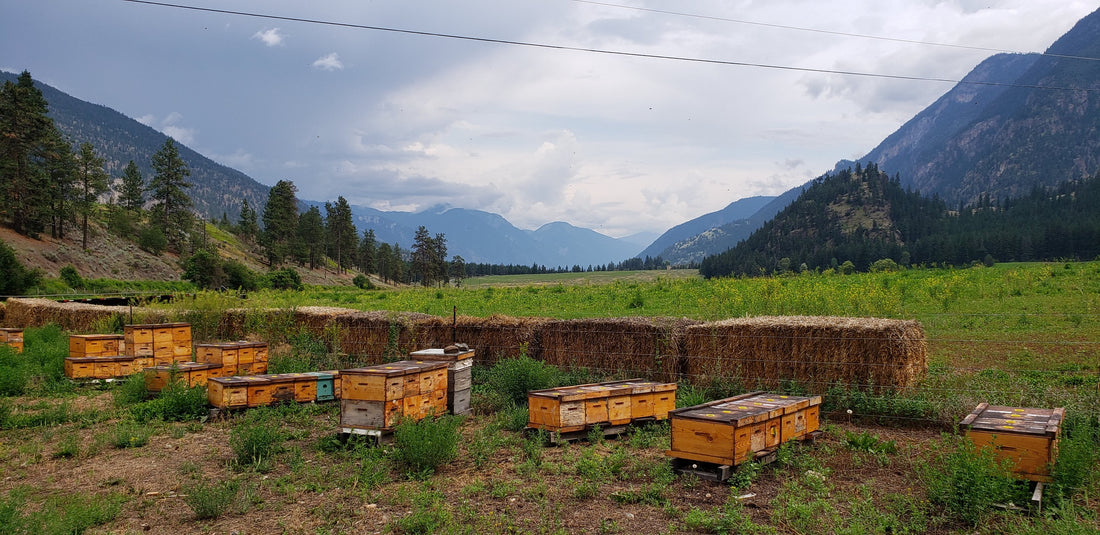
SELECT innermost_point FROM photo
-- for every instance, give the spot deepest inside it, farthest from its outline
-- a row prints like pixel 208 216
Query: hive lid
pixel 403 367
pixel 234 380
pixel 747 408
pixel 95 336
pixel 1021 420
pixel 441 354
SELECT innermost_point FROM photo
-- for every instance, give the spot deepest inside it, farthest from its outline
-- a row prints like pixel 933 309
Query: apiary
pixel 575 408
pixel 376 397
pixel 460 365
pixel 12 338
pixel 191 374
pixel 95 345
pixel 166 343
pixel 1026 437
pixel 737 429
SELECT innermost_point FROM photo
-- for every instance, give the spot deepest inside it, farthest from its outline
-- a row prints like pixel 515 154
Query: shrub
pixel 152 240
pixel 513 378
pixel 14 278
pixel 884 265
pixel 284 279
pixel 967 480
pixel 71 277
pixel 130 435
pixel 255 443
pixel 363 282
pixel 421 446
pixel 176 403
pixel 210 501
pixel 204 269
pixel 238 276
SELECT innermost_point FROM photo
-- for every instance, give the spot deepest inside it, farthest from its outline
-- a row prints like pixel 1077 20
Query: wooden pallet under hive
pixel 570 409
pixel 377 397
pixel 1025 437
pixel 728 432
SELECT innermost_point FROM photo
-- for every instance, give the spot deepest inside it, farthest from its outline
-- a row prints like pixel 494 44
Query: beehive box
pixel 224 354
pixel 575 408
pixel 227 392
pixel 460 365
pixel 100 367
pixel 12 338
pixel 324 385
pixel 166 343
pixel 1026 437
pixel 734 430
pixel 95 345
pixel 376 397
pixel 191 374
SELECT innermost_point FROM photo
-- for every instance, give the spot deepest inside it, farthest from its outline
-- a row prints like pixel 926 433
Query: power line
pixel 608 52
pixel 830 32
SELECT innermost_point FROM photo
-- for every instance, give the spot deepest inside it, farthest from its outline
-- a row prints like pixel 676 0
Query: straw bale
pixel 635 347
pixel 3 307
pixel 377 336
pixel 76 317
pixel 814 351
pixel 492 339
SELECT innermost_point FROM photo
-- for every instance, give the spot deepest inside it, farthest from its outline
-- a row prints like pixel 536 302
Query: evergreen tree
pixel 25 140
pixel 424 265
pixel 341 233
pixel 385 258
pixel 132 195
pixel 247 227
pixel 280 219
pixel 367 249
pixel 311 234
pixel 61 170
pixel 91 183
pixel 458 269
pixel 172 212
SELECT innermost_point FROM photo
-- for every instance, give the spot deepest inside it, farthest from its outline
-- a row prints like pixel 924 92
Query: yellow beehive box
pixel 12 337
pixel 375 397
pixel 227 392
pixel 95 345
pixel 1025 437
pixel 734 430
pixel 575 408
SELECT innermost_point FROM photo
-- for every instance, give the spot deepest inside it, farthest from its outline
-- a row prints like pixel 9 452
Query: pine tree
pixel 311 234
pixel 424 264
pixel 342 236
pixel 91 183
pixel 247 227
pixel 26 134
pixel 280 219
pixel 367 249
pixel 61 170
pixel 132 195
pixel 173 208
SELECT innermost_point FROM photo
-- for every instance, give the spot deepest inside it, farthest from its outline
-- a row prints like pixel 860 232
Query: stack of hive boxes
pixel 731 431
pixel 460 366
pixel 99 356
pixel 211 361
pixel 258 390
pixel 12 338
pixel 576 408
pixel 375 398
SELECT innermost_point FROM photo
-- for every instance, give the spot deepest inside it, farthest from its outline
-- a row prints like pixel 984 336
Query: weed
pixel 421 446
pixel 130 435
pixel 428 515
pixel 745 474
pixel 68 447
pixel 210 500
pixel 256 442
pixel 176 403
pixel 865 441
pixel 652 494
pixel 514 378
pixel 130 391
pixel 59 514
pixel 730 518
pixel 966 480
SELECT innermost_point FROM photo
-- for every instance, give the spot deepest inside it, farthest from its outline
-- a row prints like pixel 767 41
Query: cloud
pixel 270 37
pixel 330 62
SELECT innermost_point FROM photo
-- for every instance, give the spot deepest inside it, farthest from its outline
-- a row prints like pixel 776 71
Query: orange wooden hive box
pixel 734 430
pixel 575 408
pixel 95 345
pixel 100 367
pixel 227 392
pixel 191 374
pixel 167 343
pixel 1026 437
pixel 376 397
pixel 12 337
pixel 460 365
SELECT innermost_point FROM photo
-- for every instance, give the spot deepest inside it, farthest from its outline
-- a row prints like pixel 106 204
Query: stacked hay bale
pixel 77 317
pixel 493 338
pixel 376 336
pixel 627 347
pixel 814 351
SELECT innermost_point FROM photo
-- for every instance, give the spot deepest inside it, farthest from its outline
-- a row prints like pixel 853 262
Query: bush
pixel 884 265
pixel 130 435
pixel 205 270
pixel 284 279
pixel 71 277
pixel 363 282
pixel 14 278
pixel 152 241
pixel 239 276
pixel 514 378
pixel 967 481
pixel 423 445
pixel 177 403
pixel 257 440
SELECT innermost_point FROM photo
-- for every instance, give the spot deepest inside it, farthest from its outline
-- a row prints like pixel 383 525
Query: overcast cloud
pixel 614 143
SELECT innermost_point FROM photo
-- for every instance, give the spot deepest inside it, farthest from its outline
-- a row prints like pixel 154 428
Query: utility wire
pixel 831 32
pixel 608 52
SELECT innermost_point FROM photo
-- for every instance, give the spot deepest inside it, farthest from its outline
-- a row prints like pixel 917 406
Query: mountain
pixel 735 211
pixel 1038 126
pixel 475 235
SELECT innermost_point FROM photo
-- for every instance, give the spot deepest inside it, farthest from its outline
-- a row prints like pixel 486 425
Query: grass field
pixel 104 459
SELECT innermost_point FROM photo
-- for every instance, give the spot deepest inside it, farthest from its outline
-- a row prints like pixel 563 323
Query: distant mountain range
pixel 475 235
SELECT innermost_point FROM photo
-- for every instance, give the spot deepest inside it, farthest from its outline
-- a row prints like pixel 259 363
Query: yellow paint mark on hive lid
pixel 711 415
pixel 727 412
pixel 741 407
pixel 1008 427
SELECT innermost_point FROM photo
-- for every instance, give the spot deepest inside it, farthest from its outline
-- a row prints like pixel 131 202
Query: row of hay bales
pixel 814 351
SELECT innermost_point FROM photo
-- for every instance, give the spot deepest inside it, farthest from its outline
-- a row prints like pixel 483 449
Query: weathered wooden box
pixel 191 374
pixel 575 408
pixel 1026 437
pixel 101 367
pixel 167 343
pixel 95 345
pixel 734 430
pixel 376 397
pixel 224 354
pixel 12 337
pixel 324 385
pixel 460 365
pixel 227 392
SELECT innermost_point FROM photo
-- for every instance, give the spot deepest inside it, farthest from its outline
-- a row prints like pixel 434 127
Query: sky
pixel 623 116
